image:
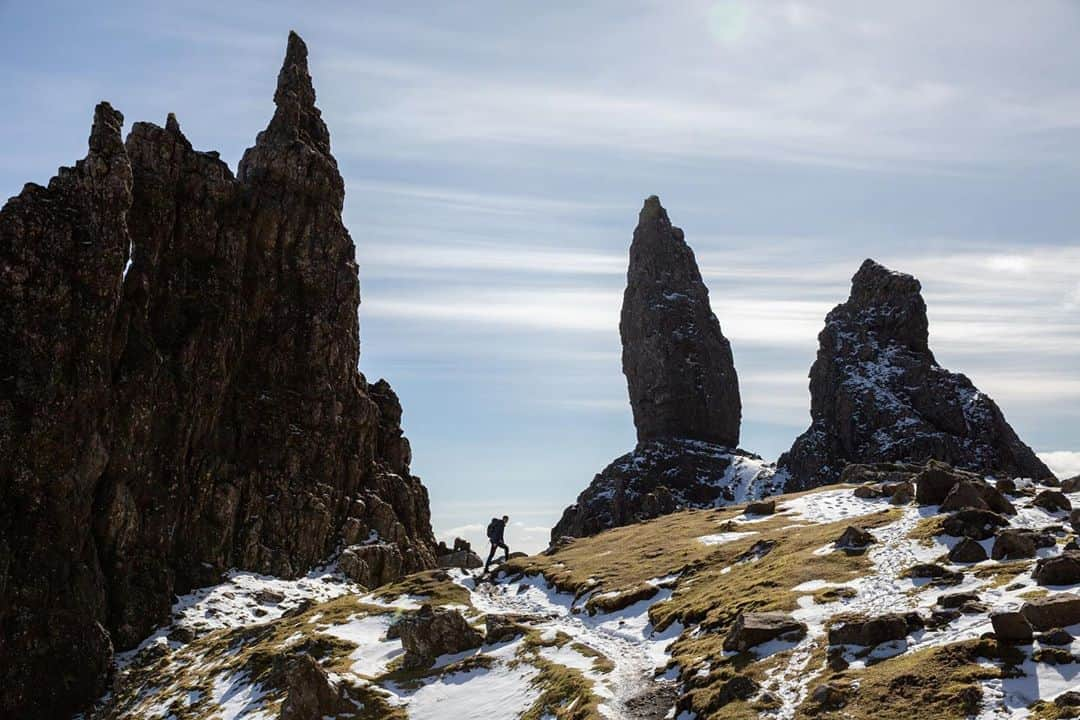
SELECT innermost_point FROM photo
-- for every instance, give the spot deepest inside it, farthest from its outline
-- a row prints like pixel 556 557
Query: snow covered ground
pixel 619 654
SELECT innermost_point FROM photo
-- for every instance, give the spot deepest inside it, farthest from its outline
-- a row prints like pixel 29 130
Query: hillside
pixel 633 623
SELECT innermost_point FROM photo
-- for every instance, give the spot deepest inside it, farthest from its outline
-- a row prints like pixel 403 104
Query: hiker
pixel 495 530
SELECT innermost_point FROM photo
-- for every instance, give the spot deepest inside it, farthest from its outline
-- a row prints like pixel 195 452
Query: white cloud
pixel 1064 463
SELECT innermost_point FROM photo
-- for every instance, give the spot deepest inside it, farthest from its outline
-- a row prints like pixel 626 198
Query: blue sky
pixel 496 155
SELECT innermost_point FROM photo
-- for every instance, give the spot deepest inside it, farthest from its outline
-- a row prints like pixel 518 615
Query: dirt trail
pixel 629 691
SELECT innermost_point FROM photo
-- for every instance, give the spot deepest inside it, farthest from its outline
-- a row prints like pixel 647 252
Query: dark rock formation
pixel 684 394
pixel 179 391
pixel 310 693
pixel 1052 501
pixel 1053 611
pixel 1016 544
pixel 432 632
pixel 1063 569
pixel 1011 626
pixel 750 629
pixel 372 564
pixel 967 551
pixel 869 631
pixel 660 477
pixel 878 395
pixel 854 539
pixel 677 362
pixel 974 524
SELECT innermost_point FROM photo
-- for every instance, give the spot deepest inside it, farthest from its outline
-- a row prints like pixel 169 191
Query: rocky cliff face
pixel 180 393
pixel 677 362
pixel 878 395
pixel 683 391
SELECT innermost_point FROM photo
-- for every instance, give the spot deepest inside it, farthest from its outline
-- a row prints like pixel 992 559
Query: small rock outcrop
pixel 869 631
pixel 432 632
pixel 1053 611
pixel 967 551
pixel 460 556
pixel 660 477
pixel 684 394
pixel 750 629
pixel 1011 626
pixel 877 394
pixel 179 391
pixel 1063 569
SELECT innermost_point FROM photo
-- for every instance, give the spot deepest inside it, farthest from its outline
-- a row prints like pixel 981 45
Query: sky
pixel 496 155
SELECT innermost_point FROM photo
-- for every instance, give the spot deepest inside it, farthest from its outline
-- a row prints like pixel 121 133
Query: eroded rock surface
pixel 677 362
pixel 684 394
pixel 878 395
pixel 179 391
pixel 660 477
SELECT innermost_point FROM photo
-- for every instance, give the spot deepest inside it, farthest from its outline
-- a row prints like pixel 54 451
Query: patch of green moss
pixel 939 682
pixel 436 586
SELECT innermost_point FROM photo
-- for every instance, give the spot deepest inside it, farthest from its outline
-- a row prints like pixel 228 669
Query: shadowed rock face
pixel 179 391
pixel 877 394
pixel 683 391
pixel 677 362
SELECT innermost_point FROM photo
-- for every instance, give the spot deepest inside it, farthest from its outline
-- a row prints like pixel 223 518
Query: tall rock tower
pixel 677 362
pixel 877 394
pixel 684 394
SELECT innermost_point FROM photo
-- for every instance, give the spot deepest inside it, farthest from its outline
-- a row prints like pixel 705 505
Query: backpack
pixel 493 529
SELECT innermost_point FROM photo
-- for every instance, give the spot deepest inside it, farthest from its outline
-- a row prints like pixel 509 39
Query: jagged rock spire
pixel 678 364
pixel 878 395
pixel 296 116
pixel 105 135
pixel 200 410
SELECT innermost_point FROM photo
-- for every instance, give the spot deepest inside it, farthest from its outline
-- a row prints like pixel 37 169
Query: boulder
pixel 1053 611
pixel 465 559
pixel 831 695
pixel 869 492
pixel 978 495
pixel 1063 569
pixel 1056 636
pixel 955 600
pixel 372 565
pixel 1069 699
pixel 500 628
pixel 432 632
pixel 1014 544
pixel 878 395
pixel 310 693
pixel 1005 485
pixel 750 629
pixel 854 539
pixel 678 365
pixel 1071 485
pixel 938 574
pixel 1074 519
pixel 967 551
pixel 1052 501
pixel 1011 626
pixel 974 524
pixel 179 352
pixel 869 631
pixel 763 507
